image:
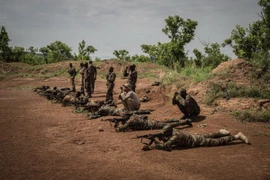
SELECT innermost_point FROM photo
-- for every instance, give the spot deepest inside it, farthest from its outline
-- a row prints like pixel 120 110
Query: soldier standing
pixel 132 76
pixel 72 73
pixel 82 76
pixel 88 81
pixel 92 72
pixel 189 107
pixel 110 83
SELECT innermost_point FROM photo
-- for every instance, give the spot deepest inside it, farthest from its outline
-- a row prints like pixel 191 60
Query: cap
pixel 127 85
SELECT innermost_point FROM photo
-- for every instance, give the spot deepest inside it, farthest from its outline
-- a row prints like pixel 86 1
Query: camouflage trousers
pixel 110 111
pixel 109 94
pixel 131 105
pixel 82 85
pixel 133 87
pixel 137 122
pixel 188 109
pixel 88 88
pixel 183 139
pixel 72 81
pixel 93 81
pixel 69 100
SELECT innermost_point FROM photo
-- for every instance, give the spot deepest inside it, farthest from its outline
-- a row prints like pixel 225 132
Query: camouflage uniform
pixel 110 85
pixel 82 71
pixel 137 122
pixel 41 90
pixel 184 139
pixel 106 110
pixel 188 106
pixel 90 79
pixel 132 76
pixel 130 100
pixel 72 73
pixel 75 99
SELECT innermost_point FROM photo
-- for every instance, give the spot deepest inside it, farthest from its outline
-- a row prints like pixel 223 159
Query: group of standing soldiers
pixel 89 76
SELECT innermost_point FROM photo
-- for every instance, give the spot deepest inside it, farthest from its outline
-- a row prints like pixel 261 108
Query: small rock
pixel 100 129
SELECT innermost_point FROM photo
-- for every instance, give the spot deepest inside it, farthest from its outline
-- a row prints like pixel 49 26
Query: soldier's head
pixel 132 67
pixel 111 69
pixel 81 64
pixel 127 87
pixel 86 65
pixel 70 64
pixel 183 93
pixel 90 62
pixel 54 88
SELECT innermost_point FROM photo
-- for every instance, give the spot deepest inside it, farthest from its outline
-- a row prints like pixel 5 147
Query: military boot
pixel 242 137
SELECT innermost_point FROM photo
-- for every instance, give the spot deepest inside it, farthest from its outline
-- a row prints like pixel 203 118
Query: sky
pixel 110 25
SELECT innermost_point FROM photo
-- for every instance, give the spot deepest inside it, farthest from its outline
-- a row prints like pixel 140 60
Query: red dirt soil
pixel 43 140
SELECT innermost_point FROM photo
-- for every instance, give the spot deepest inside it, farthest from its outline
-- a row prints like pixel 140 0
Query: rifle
pixel 116 121
pixel 151 137
pixel 164 136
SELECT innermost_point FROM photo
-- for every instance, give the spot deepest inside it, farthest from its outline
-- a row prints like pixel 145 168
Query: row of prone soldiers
pixel 132 118
pixel 89 76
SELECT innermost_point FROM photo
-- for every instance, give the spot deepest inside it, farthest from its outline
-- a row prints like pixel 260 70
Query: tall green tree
pixel 180 32
pixel 199 57
pixel 59 51
pixel 121 54
pixel 5 50
pixel 213 56
pixel 172 54
pixel 250 42
pixel 85 51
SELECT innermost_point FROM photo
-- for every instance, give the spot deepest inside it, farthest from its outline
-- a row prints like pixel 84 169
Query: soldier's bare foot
pixel 242 137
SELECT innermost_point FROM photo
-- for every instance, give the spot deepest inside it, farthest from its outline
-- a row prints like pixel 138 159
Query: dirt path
pixel 42 140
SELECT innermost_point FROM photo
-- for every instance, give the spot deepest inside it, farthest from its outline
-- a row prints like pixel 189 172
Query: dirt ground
pixel 43 140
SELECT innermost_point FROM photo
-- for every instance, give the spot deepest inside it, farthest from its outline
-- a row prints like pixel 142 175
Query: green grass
pixel 252 116
pixel 196 74
pixel 216 90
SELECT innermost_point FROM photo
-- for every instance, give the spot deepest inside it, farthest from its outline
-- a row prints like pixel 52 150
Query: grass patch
pixel 217 90
pixel 196 74
pixel 252 115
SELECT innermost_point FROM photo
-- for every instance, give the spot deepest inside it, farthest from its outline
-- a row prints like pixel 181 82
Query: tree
pixel 121 54
pixel 199 57
pixel 84 52
pixel 254 40
pixel 45 51
pixel 213 56
pixel 5 50
pixel 180 32
pixel 18 53
pixel 172 54
pixel 59 51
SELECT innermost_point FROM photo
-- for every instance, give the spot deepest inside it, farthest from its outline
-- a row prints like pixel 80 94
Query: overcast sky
pixel 110 25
